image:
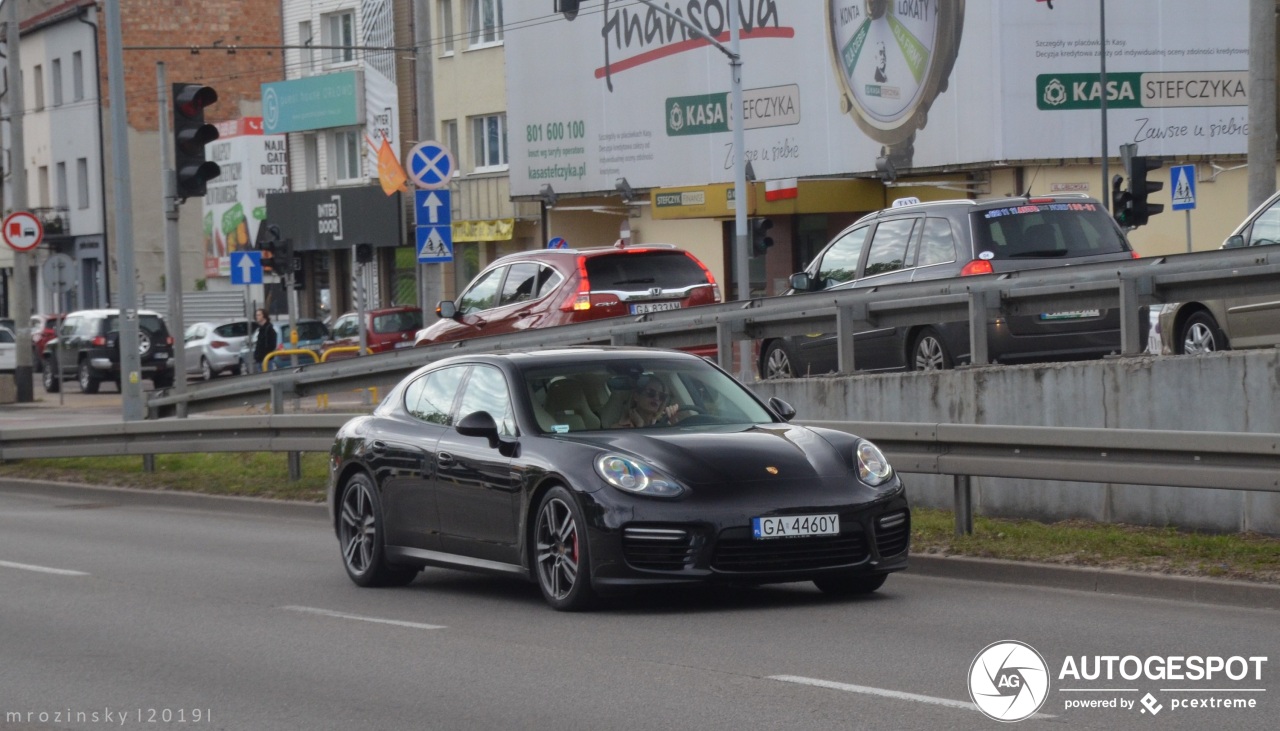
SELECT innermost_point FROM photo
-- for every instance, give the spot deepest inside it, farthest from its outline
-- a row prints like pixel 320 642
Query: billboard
pixel 253 165
pixel 829 87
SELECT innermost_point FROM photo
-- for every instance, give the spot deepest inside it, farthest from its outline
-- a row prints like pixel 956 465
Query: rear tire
pixel 850 584
pixel 777 362
pixel 361 537
pixel 50 378
pixel 206 371
pixel 89 381
pixel 1201 334
pixel 929 352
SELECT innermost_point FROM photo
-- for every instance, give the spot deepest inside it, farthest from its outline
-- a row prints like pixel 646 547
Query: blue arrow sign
pixel 430 165
pixel 432 207
pixel 435 244
pixel 246 267
pixel 1182 187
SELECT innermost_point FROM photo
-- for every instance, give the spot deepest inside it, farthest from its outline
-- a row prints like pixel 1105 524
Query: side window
pixel 840 262
pixel 889 247
pixel 430 397
pixel 68 327
pixel 548 279
pixel 1266 229
pixel 937 245
pixel 346 327
pixel 486 390
pixel 521 284
pixel 483 293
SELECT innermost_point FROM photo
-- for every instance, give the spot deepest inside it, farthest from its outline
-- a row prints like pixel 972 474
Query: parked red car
pixel 43 329
pixel 550 287
pixel 386 328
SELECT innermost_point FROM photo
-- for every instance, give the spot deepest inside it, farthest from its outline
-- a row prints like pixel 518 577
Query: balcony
pixel 56 220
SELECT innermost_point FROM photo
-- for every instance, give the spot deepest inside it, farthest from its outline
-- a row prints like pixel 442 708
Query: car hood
pixel 731 456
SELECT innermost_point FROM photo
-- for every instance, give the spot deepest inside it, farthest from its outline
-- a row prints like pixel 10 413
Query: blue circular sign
pixel 430 165
pixel 557 243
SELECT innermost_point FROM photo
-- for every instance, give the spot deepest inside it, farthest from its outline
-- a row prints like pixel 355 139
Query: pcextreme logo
pixel 1009 682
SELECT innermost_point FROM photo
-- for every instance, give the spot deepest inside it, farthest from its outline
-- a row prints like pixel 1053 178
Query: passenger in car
pixel 649 406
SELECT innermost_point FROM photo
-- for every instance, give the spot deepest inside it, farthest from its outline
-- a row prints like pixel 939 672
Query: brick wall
pixel 236 76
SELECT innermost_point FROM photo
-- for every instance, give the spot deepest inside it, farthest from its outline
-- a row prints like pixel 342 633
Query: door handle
pixel 444 459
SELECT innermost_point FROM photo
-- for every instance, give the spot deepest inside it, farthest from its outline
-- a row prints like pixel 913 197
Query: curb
pixel 1102 581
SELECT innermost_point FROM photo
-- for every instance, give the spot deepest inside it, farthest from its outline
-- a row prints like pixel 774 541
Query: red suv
pixel 549 287
pixel 387 328
pixel 43 329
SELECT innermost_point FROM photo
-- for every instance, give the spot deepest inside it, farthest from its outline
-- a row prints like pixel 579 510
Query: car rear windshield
pixel 150 323
pixel 233 329
pixel 395 322
pixel 627 271
pixel 308 331
pixel 1046 230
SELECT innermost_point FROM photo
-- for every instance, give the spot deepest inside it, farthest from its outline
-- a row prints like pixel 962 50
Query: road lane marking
pixel 884 693
pixel 42 569
pixel 357 617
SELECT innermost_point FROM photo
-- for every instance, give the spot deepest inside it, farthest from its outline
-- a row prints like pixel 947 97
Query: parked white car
pixel 8 350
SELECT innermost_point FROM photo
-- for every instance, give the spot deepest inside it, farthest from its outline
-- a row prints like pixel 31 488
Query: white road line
pixel 375 620
pixel 42 569
pixel 884 693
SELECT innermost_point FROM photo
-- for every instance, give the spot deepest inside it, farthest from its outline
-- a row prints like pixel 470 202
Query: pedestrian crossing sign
pixel 1182 186
pixel 435 244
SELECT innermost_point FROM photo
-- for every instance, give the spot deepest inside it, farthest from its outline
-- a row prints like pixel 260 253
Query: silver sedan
pixel 213 348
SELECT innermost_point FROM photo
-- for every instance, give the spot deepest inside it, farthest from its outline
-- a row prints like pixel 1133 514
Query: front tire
pixel 89 381
pixel 51 378
pixel 206 371
pixel 777 362
pixel 850 584
pixel 562 559
pixel 360 534
pixel 929 352
pixel 1201 334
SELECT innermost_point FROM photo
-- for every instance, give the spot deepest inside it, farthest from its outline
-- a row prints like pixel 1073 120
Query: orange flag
pixel 390 173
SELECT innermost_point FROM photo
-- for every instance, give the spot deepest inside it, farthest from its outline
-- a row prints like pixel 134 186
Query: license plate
pixel 405 344
pixel 645 307
pixel 1075 314
pixel 795 526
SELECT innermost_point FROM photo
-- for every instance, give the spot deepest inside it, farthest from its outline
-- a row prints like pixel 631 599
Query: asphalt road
pixel 147 604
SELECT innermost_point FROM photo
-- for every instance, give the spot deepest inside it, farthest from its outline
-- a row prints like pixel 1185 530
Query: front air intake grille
pixel 737 551
pixel 893 533
pixel 658 549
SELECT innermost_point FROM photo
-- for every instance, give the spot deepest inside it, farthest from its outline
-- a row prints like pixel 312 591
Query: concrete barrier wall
pixel 1227 392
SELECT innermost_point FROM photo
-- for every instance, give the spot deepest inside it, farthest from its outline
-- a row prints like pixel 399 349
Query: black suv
pixel 88 350
pixel 922 241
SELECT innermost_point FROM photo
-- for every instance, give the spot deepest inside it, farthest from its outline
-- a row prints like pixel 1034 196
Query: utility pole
pixel 1262 101
pixel 21 259
pixel 1102 79
pixel 172 257
pixel 424 87
pixel 130 359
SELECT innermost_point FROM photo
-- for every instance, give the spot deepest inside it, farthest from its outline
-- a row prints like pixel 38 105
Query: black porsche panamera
pixel 531 464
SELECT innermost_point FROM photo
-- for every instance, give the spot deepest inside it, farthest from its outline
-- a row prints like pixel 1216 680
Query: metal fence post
pixel 295 466
pixel 963 506
pixel 978 314
pixel 846 317
pixel 1131 324
pixel 148 463
pixel 277 398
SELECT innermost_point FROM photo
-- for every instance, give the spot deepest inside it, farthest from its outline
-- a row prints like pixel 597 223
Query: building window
pixel 60 180
pixel 489 141
pixel 82 182
pixel 42 183
pixel 305 39
pixel 340 30
pixel 346 156
pixel 446 27
pixel 38 79
pixel 77 76
pixel 484 22
pixel 311 155
pixel 56 70
pixel 449 133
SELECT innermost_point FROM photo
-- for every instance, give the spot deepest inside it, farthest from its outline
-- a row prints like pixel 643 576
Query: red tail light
pixel 977 266
pixel 1136 255
pixel 1040 200
pixel 99 341
pixel 169 340
pixel 581 300
pixel 711 278
pixel 214 344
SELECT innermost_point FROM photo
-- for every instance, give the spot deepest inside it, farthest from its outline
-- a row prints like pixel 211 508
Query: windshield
pixel 638 393
pixel 1046 230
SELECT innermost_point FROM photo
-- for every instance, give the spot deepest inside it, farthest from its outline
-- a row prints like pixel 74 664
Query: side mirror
pixel 446 310
pixel 802 282
pixel 1234 242
pixel 479 424
pixel 782 408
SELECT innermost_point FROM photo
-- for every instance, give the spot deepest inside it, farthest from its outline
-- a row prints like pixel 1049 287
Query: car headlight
pixel 873 468
pixel 636 477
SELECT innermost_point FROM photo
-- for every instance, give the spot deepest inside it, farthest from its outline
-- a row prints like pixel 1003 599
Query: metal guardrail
pixel 1127 285
pixel 1215 460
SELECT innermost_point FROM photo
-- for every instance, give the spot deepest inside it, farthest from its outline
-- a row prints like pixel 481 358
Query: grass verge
pixel 1247 557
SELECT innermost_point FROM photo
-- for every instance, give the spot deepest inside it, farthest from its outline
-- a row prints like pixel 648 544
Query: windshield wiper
pixel 650 280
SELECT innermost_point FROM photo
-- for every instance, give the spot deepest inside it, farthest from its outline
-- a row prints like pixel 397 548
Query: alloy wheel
pixel 1199 339
pixel 778 365
pixel 206 371
pixel 557 546
pixel 359 531
pixel 929 354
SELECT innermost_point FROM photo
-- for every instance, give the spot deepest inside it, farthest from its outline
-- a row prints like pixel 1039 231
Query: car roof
pixel 969 205
pixel 110 311
pixel 569 354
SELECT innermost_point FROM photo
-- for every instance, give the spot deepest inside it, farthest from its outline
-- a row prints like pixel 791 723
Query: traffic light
pixel 190 135
pixel 568 7
pixel 760 239
pixel 1140 188
pixel 269 246
pixel 1121 202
